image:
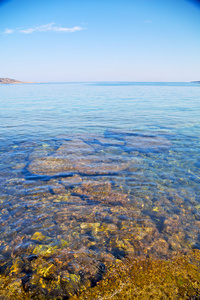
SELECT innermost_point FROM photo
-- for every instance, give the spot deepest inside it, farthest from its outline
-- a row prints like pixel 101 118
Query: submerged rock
pixel 93 202
pixel 99 165
pixel 91 165
pixel 102 193
pixel 38 236
pixel 147 143
pixel 160 247
pixel 50 166
pixel 76 156
pixel 71 181
pixel 149 279
pixel 55 187
pixel 74 147
pixel 140 142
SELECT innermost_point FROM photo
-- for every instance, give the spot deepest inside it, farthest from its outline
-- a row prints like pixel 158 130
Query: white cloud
pixel 63 29
pixel 44 28
pixel 8 31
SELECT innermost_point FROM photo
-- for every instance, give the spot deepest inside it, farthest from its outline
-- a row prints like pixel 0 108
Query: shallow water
pixel 93 172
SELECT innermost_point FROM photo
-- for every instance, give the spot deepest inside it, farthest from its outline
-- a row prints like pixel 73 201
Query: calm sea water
pixel 98 171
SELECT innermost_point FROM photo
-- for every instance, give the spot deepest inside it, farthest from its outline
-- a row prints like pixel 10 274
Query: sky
pixel 100 40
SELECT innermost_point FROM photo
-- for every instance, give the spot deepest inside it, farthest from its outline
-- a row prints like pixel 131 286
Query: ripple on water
pixel 72 208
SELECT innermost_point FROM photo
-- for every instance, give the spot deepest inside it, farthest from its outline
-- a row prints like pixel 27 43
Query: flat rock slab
pixel 90 165
pixel 94 166
pixel 109 141
pixel 50 166
pixel 79 157
pixel 139 142
pixel 147 143
pixel 74 147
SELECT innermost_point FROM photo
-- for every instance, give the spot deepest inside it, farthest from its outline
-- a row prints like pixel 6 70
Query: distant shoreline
pixel 14 81
pixel 11 81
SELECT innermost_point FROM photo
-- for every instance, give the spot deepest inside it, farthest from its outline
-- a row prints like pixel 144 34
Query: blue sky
pixel 100 40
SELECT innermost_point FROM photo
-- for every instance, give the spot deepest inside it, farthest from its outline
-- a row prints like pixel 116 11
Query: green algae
pixel 130 278
pixel 149 279
pixel 45 250
pixel 38 236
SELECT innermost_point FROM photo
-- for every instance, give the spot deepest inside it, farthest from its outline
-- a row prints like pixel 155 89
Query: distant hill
pixel 196 81
pixel 11 81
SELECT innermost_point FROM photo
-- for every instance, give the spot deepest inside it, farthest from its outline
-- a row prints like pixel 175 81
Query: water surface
pixel 94 172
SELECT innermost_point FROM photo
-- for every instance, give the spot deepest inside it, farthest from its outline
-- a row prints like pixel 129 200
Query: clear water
pixel 99 170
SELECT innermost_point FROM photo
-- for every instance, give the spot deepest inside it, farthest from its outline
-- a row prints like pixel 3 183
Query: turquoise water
pixel 45 110
pixel 91 172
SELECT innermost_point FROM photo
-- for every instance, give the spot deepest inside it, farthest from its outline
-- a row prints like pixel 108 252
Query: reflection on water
pixel 74 204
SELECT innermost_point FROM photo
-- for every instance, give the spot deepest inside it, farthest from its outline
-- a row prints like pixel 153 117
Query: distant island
pixel 11 81
pixel 195 81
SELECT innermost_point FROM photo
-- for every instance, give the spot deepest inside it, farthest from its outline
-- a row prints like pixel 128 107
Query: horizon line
pixel 128 81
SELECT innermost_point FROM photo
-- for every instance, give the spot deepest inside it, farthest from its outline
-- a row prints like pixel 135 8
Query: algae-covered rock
pixel 17 266
pixel 175 243
pixel 38 236
pixel 46 270
pixel 171 225
pixel 12 289
pixel 102 192
pixel 80 277
pixel 45 250
pixel 70 283
pixel 160 247
pixel 149 279
pixel 94 227
pixel 94 189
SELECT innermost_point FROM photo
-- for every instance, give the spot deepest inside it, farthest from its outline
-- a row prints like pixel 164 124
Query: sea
pixel 93 172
